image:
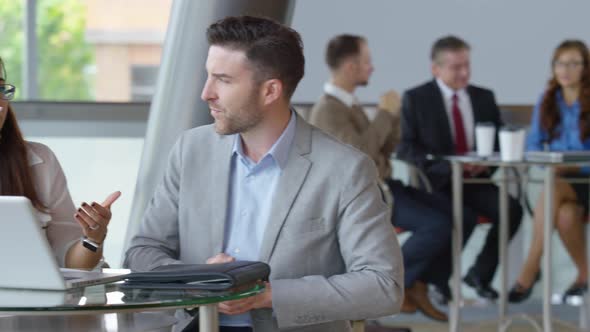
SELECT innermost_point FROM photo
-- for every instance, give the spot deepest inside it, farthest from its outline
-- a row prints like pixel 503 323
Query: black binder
pixel 200 276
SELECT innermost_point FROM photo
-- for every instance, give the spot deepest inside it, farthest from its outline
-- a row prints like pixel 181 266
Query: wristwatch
pixel 90 245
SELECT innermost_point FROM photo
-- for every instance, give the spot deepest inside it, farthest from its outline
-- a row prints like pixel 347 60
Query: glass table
pixel 457 162
pixel 117 298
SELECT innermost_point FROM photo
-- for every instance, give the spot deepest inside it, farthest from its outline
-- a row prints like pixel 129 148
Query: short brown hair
pixel 447 43
pixel 275 50
pixel 341 47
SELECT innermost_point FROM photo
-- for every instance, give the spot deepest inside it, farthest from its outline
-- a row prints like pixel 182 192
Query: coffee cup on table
pixel 485 137
pixel 511 143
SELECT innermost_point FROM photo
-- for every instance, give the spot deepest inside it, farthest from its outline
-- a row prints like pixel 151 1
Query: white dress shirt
pixel 465 108
pixel 252 189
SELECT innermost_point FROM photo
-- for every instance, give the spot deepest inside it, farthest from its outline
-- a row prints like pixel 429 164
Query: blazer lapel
pixel 219 185
pixel 474 104
pixel 292 178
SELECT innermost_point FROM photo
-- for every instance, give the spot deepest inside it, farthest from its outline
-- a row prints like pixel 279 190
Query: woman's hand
pixel 94 218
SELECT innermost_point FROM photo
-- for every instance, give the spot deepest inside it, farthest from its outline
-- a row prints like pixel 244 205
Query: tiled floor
pixel 481 317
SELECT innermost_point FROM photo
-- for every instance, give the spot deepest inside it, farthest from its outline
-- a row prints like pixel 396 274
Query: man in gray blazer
pixel 261 184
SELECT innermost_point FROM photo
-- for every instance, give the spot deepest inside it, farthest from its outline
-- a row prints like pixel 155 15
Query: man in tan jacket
pixel 376 133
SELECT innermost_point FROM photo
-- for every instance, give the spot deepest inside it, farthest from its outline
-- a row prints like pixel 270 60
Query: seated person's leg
pixel 571 229
pixel 431 230
pixel 439 272
pixel 483 198
pixel 568 215
pixel 430 234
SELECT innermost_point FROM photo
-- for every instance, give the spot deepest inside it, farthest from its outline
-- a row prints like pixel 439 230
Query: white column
pixel 30 56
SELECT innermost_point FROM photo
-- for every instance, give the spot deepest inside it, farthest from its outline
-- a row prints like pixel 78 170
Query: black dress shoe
pixel 577 289
pixel 519 293
pixel 482 289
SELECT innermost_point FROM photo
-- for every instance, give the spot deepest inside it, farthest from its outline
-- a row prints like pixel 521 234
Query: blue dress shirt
pixel 251 192
pixel 568 130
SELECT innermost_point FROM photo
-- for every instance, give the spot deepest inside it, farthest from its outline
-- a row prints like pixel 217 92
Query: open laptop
pixel 557 156
pixel 27 258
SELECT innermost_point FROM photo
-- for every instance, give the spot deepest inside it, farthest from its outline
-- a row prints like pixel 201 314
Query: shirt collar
pixel 561 100
pixel 344 96
pixel 279 150
pixel 33 157
pixel 448 92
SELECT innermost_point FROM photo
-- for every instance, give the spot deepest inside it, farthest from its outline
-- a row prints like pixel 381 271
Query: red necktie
pixel 460 138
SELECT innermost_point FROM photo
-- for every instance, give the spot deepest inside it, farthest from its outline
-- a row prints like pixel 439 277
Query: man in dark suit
pixel 439 117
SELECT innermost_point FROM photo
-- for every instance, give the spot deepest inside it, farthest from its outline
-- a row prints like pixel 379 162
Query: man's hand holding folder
pixel 237 307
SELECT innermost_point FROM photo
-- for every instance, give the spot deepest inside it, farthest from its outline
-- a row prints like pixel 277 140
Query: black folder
pixel 200 276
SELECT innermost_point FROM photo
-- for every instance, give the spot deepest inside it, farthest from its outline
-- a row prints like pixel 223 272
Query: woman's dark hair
pixel 549 112
pixel 15 174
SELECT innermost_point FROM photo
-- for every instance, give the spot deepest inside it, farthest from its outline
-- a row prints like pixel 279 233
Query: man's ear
pixel 350 66
pixel 271 91
pixel 434 69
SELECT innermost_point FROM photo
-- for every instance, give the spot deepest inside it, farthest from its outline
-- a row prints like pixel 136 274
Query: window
pixel 143 82
pixel 64 57
pixel 86 50
pixel 11 41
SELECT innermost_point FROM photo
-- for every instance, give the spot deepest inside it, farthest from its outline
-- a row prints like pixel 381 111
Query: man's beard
pixel 247 118
pixel 244 122
pixel 362 83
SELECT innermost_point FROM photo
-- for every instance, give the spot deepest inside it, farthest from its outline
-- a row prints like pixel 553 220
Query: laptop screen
pixel 27 257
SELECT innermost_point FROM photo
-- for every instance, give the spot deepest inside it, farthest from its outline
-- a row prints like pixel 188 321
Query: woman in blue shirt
pixel 561 121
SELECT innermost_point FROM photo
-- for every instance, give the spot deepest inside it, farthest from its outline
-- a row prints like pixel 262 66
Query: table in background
pixel 457 162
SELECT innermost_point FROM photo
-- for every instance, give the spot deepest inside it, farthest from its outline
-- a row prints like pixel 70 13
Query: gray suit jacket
pixel 333 253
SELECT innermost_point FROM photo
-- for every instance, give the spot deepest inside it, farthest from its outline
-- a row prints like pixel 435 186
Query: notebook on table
pixel 557 156
pixel 27 258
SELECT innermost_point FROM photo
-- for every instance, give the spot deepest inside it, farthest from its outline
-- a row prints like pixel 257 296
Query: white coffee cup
pixel 485 136
pixel 511 144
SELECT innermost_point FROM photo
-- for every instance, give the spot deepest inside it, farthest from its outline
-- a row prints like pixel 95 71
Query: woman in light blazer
pixel 31 169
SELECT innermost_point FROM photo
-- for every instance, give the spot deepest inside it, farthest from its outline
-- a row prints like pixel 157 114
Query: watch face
pixel 89 245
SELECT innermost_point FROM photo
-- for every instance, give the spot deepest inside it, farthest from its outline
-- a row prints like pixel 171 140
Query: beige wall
pixel 145 54
pixel 124 33
pixel 113 76
pixel 123 15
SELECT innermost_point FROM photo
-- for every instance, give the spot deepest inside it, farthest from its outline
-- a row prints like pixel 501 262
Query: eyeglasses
pixel 567 65
pixel 7 91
